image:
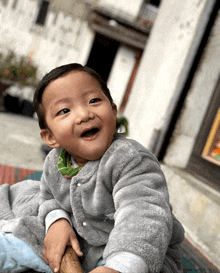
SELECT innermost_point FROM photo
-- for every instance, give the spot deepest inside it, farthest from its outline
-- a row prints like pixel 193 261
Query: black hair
pixel 57 73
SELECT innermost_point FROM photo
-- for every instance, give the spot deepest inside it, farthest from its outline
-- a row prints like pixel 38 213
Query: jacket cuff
pixel 126 262
pixel 54 215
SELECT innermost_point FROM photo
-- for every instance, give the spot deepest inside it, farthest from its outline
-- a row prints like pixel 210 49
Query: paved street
pixel 20 142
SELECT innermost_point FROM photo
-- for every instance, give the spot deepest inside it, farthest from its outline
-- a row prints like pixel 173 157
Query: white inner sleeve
pixel 126 262
pixel 54 215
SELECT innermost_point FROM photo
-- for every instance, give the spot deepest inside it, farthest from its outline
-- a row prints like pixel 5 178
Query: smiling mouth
pixel 90 133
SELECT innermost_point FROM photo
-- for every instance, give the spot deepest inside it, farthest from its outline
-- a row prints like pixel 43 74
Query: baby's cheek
pixel 65 127
pixel 67 133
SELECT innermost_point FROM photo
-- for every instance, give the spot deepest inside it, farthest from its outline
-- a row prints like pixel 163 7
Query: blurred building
pixel 109 36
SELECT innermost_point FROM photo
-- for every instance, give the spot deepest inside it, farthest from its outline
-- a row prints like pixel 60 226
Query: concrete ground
pixel 20 142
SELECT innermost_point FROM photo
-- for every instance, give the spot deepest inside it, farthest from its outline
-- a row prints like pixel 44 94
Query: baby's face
pixel 79 116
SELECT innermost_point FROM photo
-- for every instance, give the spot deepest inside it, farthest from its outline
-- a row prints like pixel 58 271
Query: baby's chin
pixel 81 161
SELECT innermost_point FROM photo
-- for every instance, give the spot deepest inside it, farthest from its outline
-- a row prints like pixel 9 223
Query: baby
pixel 101 193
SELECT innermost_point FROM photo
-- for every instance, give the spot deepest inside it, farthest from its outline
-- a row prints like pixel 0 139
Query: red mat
pixel 12 175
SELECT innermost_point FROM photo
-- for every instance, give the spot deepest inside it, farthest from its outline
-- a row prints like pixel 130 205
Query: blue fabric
pixel 17 256
pixel 100 262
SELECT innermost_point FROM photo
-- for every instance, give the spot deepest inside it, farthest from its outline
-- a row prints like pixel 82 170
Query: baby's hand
pixel 59 235
pixel 103 269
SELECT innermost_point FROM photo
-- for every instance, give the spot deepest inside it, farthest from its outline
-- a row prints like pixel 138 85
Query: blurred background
pixel 161 61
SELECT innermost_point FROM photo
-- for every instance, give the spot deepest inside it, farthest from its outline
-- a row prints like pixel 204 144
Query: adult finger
pixel 76 247
pixel 55 257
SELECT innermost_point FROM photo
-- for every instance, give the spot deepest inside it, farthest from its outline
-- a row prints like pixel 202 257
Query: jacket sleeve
pixel 143 217
pixel 50 190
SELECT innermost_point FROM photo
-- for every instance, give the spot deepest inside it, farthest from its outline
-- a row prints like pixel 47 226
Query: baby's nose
pixel 84 115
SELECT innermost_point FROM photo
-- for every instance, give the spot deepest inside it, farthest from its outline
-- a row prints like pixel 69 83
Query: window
pixel 42 13
pixel 211 150
pixel 205 158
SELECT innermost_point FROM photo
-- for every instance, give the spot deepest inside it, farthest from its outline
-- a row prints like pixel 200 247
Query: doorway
pixel 102 55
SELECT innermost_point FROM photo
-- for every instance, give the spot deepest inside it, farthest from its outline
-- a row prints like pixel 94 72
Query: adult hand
pixel 59 235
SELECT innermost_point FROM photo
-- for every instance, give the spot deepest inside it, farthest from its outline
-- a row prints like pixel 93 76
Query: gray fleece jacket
pixel 118 204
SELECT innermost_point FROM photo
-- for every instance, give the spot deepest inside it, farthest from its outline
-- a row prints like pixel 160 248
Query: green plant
pixel 20 70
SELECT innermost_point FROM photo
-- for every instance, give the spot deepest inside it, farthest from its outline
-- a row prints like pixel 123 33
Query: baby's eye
pixel 94 100
pixel 64 111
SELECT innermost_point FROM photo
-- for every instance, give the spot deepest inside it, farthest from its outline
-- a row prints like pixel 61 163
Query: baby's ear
pixel 114 108
pixel 48 137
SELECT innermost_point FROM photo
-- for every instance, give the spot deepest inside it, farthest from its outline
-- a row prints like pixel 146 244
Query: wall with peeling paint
pixel 63 39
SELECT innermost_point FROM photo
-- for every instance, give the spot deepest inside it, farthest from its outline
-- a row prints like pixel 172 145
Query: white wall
pixel 164 65
pixel 60 41
pixel 120 73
